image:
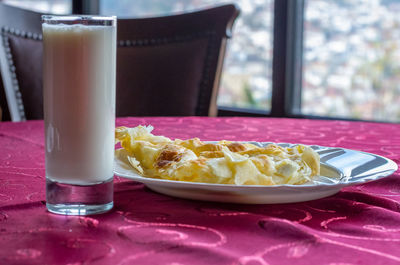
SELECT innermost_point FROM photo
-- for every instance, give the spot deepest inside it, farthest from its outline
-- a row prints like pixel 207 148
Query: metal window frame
pixel 287 67
pixel 294 57
pixel 86 7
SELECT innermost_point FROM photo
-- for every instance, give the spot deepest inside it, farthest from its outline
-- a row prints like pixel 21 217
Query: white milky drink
pixel 79 102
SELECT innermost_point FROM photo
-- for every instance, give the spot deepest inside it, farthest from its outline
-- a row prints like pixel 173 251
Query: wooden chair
pixel 166 66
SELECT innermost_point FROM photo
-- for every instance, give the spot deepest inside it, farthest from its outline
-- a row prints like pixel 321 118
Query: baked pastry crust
pixel 223 162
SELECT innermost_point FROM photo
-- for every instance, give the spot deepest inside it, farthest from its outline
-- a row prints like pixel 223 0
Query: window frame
pixel 287 67
pixel 86 7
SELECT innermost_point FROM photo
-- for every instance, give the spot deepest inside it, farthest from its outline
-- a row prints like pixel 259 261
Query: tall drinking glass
pixel 79 64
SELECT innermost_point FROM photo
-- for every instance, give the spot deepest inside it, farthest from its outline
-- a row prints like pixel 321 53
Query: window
pixel 351 59
pixel 246 79
pixel 53 7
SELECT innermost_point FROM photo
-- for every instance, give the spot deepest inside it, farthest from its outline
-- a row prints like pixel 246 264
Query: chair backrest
pixel 172 65
pixel 166 66
pixel 5 114
pixel 21 62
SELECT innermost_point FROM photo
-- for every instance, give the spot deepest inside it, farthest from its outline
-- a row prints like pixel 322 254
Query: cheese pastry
pixel 222 162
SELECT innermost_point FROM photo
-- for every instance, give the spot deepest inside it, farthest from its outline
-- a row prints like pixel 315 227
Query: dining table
pixel 358 225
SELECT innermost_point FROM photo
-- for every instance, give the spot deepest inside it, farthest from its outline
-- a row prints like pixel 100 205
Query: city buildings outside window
pixel 351 59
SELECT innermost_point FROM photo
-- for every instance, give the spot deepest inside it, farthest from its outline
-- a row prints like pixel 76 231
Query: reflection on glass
pixel 352 59
pixel 246 80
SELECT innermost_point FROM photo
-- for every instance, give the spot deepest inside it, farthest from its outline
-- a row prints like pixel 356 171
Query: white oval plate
pixel 340 167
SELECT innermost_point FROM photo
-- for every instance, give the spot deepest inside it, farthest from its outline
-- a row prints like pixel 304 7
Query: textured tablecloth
pixel 359 225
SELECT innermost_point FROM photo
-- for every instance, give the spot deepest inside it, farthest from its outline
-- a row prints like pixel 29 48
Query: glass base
pixel 70 199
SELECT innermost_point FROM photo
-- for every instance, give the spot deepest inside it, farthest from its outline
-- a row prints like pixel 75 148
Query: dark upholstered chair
pixel 166 66
pixel 21 63
pixel 5 114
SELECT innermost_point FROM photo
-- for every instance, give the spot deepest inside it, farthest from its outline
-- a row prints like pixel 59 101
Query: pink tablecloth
pixel 359 225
